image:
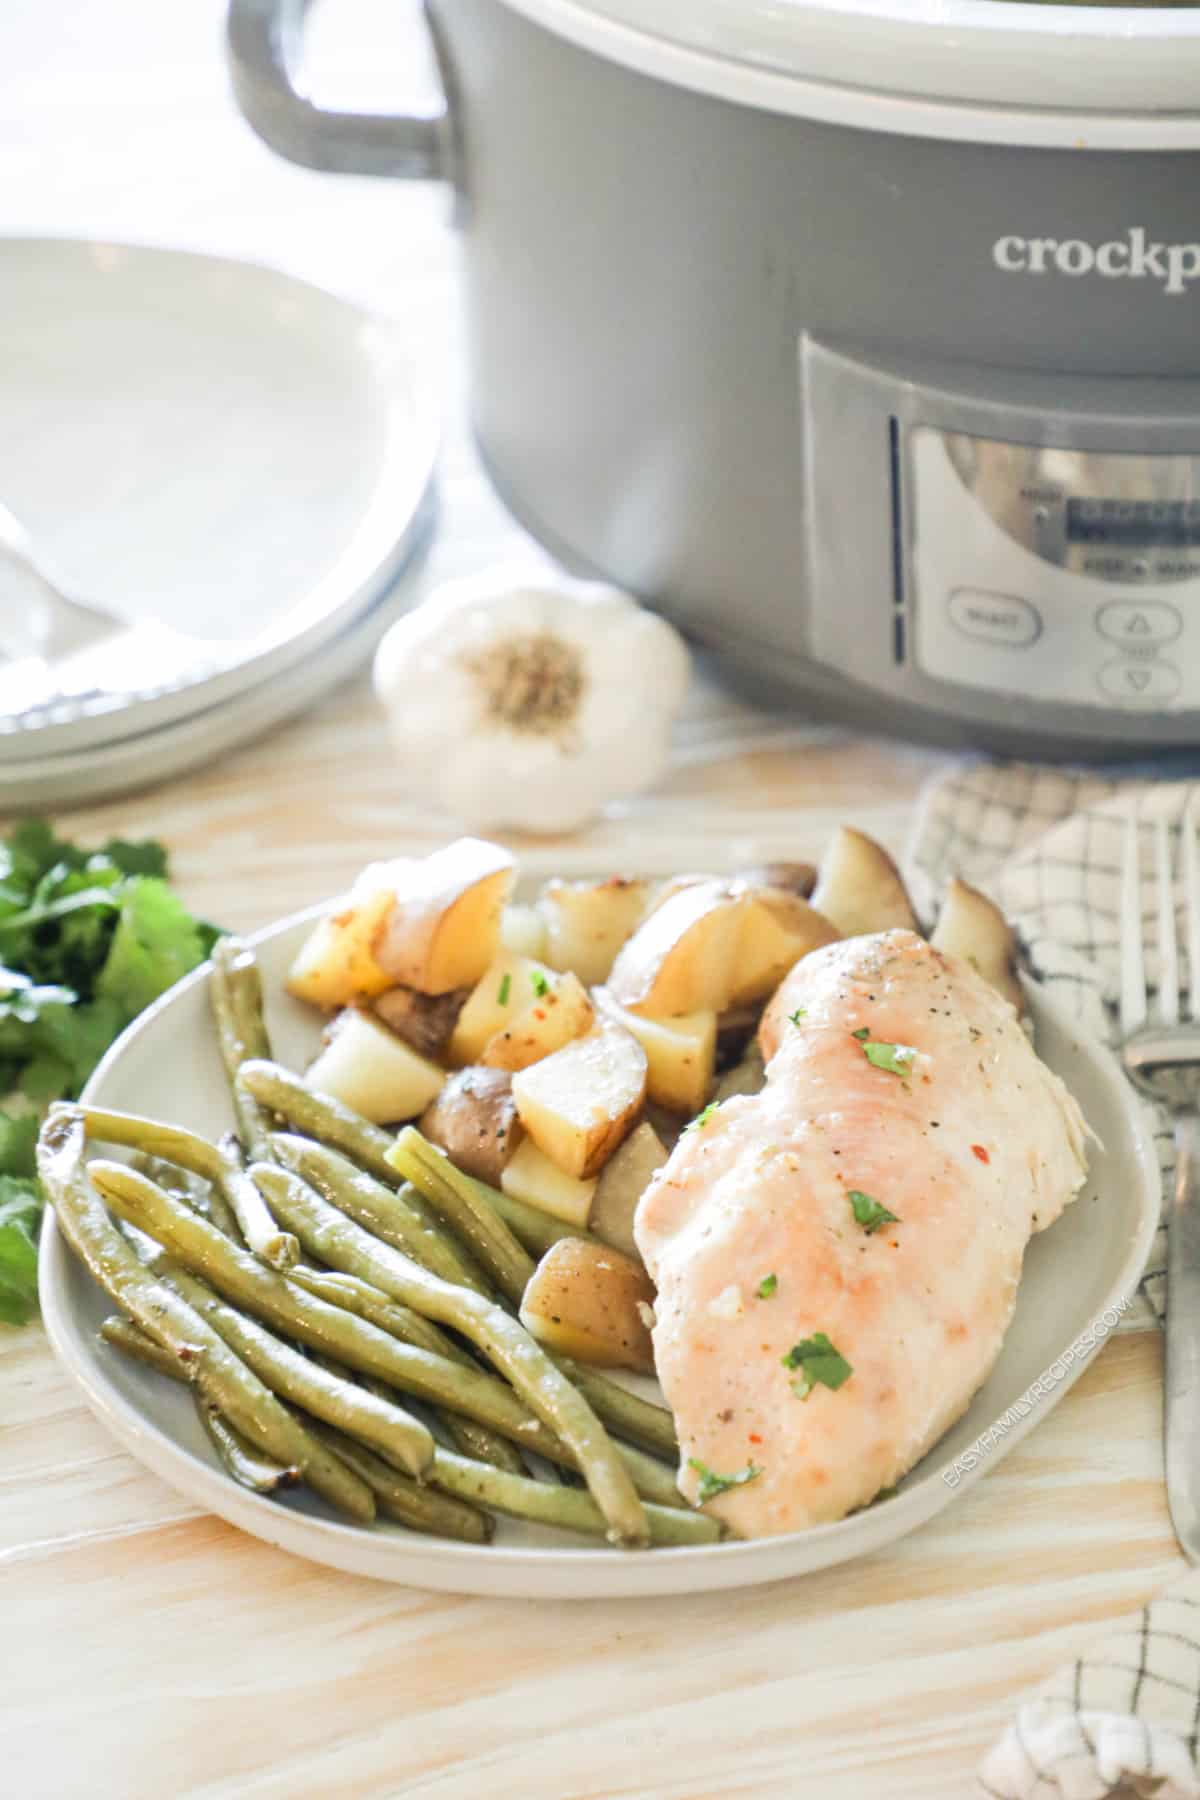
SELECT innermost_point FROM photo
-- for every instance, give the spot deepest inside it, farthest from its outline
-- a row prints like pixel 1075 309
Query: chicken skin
pixel 837 1257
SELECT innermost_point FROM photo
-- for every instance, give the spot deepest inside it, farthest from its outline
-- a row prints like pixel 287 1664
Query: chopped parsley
pixel 868 1213
pixel 896 1059
pixel 820 1364
pixel 767 1286
pixel 862 1034
pixel 712 1484
pixel 701 1119
pixel 505 991
pixel 539 984
pixel 801 1012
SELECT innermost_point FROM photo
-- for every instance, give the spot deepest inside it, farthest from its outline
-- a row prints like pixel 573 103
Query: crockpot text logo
pixel 1135 257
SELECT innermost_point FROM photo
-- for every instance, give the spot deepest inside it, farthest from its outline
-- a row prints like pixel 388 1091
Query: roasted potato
pixel 859 888
pixel 369 1068
pixel 679 960
pixel 444 925
pixel 973 927
pixel 788 877
pixel 623 1180
pixel 336 964
pixel 426 1021
pixel 474 1120
pixel 586 922
pixel 523 931
pixel 578 1104
pixel 532 1177
pixel 775 930
pixel 587 1301
pixel 680 1053
pixel 504 990
pixel 551 1019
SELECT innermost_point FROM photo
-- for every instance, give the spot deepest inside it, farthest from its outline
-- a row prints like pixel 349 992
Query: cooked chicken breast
pixel 837 1257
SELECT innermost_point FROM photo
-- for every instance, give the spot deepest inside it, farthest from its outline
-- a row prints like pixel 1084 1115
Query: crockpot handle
pixel 264 41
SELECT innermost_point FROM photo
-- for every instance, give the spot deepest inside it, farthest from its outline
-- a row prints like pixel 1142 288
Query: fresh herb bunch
pixel 88 938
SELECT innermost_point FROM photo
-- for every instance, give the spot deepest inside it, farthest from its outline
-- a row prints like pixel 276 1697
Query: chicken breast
pixel 837 1257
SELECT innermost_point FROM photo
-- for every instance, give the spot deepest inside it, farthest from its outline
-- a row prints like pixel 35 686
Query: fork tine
pixel 1133 972
pixel 1190 858
pixel 1168 941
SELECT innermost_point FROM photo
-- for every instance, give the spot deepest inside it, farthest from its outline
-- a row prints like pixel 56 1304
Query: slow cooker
pixel 859 337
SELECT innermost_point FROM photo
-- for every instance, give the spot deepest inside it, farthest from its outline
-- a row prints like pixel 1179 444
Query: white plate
pixel 1076 1274
pixel 207 445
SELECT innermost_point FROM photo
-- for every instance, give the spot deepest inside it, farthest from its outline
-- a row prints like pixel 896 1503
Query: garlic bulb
pixel 528 703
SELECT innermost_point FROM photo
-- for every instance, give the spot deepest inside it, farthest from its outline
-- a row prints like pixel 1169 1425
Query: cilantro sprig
pixel 869 1213
pixel 701 1119
pixel 821 1364
pixel 896 1059
pixel 712 1484
pixel 767 1286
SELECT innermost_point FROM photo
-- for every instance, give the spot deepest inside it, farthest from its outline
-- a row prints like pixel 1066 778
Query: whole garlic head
pixel 530 702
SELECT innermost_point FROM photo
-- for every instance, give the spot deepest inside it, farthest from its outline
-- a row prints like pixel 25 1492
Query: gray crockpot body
pixel 642 265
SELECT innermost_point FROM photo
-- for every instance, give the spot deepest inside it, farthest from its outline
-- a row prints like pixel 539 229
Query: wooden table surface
pixel 149 1649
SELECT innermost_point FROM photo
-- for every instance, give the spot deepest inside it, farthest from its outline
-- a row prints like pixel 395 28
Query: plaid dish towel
pixel 1046 845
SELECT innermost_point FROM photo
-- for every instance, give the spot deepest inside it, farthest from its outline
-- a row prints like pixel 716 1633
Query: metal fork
pixel 1162 1055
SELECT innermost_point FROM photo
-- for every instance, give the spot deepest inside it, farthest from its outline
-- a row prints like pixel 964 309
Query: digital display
pixel 1135 524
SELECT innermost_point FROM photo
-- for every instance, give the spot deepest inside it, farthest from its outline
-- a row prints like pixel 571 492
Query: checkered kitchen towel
pixel 1046 844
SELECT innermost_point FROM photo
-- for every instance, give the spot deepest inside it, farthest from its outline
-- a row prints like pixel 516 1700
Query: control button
pixel 995 618
pixel 1144 682
pixel 1138 623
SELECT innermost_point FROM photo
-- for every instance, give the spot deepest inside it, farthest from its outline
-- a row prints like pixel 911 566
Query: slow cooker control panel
pixel 1068 576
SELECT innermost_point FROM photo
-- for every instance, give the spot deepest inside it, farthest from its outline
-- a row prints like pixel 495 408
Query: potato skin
pixel 474 1120
pixel 585 1300
pixel 788 877
pixel 425 1021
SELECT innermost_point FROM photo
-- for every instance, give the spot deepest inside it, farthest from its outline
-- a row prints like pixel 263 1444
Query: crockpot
pixel 859 337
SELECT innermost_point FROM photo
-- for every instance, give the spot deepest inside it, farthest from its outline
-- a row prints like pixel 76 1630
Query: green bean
pixel 261 1474
pixel 641 1421
pixel 481 1444
pixel 320 1116
pixel 214 1162
pixel 412 1504
pixel 297 1378
pixel 220 1376
pixel 366 1302
pixel 452 1196
pixel 310 1319
pixel 570 1509
pixel 245 985
pixel 379 1209
pixel 338 1241
pixel 230 1009
pixel 536 1230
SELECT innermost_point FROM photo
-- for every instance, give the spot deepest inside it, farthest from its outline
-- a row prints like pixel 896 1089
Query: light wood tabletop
pixel 149 1649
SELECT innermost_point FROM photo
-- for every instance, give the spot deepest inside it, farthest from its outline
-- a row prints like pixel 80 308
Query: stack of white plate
pixel 217 449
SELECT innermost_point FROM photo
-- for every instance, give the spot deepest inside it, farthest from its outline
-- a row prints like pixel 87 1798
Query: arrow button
pixel 1139 683
pixel 1138 622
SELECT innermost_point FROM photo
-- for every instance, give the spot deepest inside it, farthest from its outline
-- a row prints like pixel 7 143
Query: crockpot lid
pixel 1009 53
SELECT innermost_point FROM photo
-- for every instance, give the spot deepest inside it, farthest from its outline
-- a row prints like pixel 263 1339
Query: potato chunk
pixel 336 965
pixel 523 931
pixel 776 929
pixel 623 1180
pixel 680 959
pixel 474 1120
pixel 503 991
pixel 590 1302
pixel 578 1104
pixel 860 889
pixel 425 1021
pixel 444 925
pixel 369 1068
pixel 551 1019
pixel 586 922
pixel 680 1053
pixel 973 927
pixel 532 1177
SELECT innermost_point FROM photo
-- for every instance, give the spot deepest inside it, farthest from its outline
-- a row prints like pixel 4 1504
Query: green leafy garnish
pixel 868 1213
pixel 820 1364
pixel 539 984
pixel 862 1034
pixel 897 1059
pixel 801 1012
pixel 505 990
pixel 767 1286
pixel 712 1484
pixel 701 1119
pixel 88 938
